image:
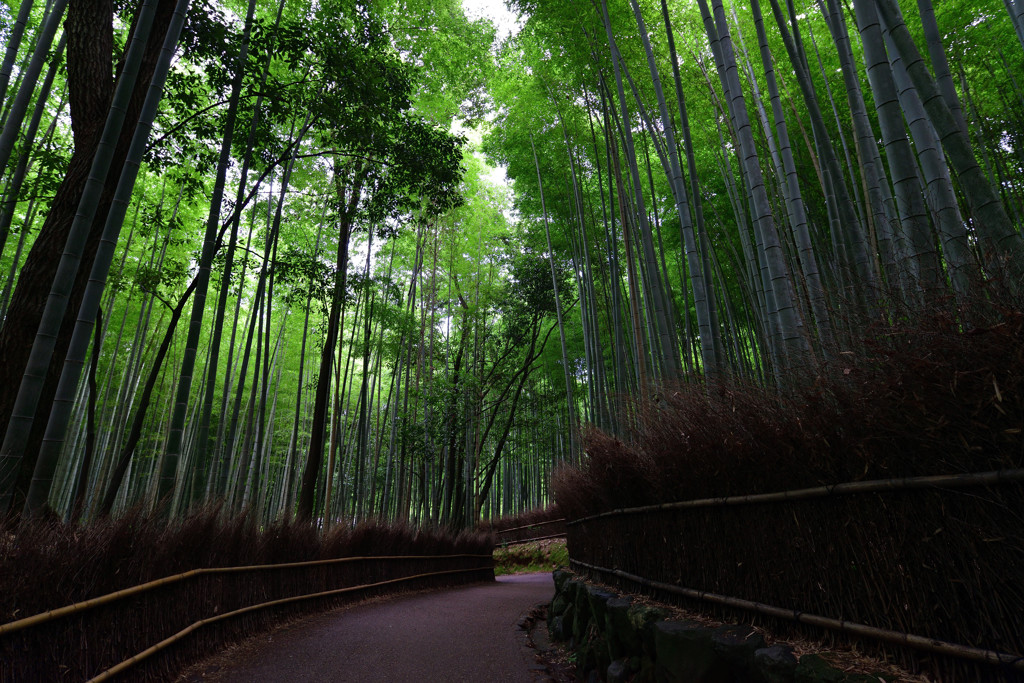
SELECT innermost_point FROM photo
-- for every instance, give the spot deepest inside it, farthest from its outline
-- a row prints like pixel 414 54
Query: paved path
pixel 463 634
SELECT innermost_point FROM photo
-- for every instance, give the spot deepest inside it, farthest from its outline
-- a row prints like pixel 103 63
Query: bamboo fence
pixel 522 541
pixel 115 631
pixel 945 481
pixel 974 654
pixel 934 564
pixel 135 659
pixel 525 533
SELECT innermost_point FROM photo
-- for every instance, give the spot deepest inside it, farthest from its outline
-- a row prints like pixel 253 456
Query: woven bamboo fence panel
pixel 941 562
pixel 531 532
pixel 86 641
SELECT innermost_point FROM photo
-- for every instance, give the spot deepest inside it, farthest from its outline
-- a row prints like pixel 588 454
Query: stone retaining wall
pixel 618 640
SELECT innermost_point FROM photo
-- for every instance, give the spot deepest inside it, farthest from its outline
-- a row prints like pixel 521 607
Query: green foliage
pixel 527 558
pixel 403 99
pixel 454 52
pixel 529 289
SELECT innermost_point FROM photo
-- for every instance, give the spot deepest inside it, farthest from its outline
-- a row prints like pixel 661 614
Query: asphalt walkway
pixel 467 633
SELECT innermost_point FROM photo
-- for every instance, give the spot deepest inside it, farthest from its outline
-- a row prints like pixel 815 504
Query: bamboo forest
pixel 386 259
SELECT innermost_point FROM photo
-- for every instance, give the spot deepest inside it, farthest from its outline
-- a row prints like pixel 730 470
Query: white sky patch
pixel 506 22
pixel 493 174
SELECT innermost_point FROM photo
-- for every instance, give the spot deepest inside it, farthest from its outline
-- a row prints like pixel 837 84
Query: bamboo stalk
pixel 50 615
pixel 942 481
pixel 126 664
pixel 909 640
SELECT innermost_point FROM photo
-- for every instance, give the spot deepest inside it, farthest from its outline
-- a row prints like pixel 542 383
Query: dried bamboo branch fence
pixel 131 661
pixel 947 481
pixel 526 532
pixel 935 560
pixel 531 540
pixel 1015 662
pixel 110 633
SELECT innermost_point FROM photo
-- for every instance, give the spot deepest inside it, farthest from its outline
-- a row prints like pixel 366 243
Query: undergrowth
pixel 527 558
pixel 50 564
pixel 909 400
pixel 525 518
pixel 921 398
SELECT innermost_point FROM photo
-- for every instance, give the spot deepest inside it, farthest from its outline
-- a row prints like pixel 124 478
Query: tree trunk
pixel 89 50
pixel 314 459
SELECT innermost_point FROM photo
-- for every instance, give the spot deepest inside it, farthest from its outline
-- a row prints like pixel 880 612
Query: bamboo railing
pixel 519 534
pixel 44 644
pixel 945 481
pixel 974 654
pixel 521 541
pixel 132 661
pixel 50 615
pixel 939 555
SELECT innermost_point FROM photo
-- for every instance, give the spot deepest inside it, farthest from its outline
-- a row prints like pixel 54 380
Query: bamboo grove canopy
pixel 256 252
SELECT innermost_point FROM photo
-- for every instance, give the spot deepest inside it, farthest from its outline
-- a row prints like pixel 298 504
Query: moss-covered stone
pixel 592 655
pixel 614 638
pixel 581 622
pixel 598 599
pixel 618 672
pixel 623 639
pixel 642 618
pixel 556 628
pixel 560 576
pixel 736 644
pixel 646 672
pixel 568 619
pixel 777 664
pixel 684 652
pixel 814 669
pixel 601 652
pixel 586 660
pixel 558 605
pixel 576 591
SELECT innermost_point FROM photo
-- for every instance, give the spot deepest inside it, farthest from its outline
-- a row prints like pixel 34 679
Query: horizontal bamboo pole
pixel 907 640
pixel 132 661
pixel 530 526
pixel 503 544
pixel 943 481
pixel 50 615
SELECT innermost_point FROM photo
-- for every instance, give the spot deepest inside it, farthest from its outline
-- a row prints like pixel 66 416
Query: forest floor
pixel 527 558
pixel 472 633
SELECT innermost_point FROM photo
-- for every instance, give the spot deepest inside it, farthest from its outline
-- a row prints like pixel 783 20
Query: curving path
pixel 468 633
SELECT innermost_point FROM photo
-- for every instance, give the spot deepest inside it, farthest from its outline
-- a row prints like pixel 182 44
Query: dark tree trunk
pixel 125 457
pixel 90 86
pixel 321 399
